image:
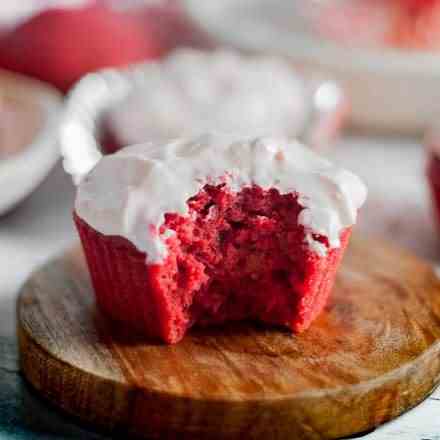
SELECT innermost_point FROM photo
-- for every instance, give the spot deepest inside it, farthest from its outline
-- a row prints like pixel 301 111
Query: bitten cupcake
pixel 212 229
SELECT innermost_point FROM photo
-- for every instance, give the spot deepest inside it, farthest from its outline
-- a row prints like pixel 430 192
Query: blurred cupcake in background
pixel 406 24
pixel 59 42
pixel 192 92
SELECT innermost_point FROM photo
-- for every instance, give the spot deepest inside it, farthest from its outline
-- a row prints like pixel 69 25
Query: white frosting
pixel 128 193
pixel 193 92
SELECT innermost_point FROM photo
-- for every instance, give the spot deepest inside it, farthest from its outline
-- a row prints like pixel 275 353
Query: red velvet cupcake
pixel 210 230
pixel 60 45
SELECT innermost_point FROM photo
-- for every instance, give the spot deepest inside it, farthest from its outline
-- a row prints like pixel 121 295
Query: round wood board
pixel 372 354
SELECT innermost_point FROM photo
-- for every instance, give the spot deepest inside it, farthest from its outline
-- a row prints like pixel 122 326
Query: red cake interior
pixel 238 256
pixel 234 256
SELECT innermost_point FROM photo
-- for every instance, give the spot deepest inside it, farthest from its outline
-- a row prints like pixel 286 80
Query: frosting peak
pixel 128 193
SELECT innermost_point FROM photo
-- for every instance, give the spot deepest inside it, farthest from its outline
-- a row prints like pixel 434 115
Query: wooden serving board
pixel 372 354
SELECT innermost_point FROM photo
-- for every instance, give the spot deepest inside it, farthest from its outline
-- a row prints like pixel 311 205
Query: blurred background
pixel 357 80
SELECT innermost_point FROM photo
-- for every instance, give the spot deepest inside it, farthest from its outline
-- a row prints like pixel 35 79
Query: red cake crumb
pixel 235 256
pixel 61 45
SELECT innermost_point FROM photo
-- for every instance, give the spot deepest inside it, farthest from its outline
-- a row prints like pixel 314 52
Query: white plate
pixel 390 89
pixel 21 173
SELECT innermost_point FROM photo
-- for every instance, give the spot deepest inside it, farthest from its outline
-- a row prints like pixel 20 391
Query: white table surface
pixel 398 208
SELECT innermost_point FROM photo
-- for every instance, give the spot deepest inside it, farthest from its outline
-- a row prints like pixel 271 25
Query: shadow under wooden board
pixel 372 354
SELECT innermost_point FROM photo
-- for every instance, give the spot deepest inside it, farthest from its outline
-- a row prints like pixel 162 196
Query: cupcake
pixel 60 45
pixel 191 92
pixel 212 229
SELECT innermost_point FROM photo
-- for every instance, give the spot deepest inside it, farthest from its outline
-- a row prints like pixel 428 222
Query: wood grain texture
pixel 372 354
